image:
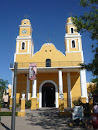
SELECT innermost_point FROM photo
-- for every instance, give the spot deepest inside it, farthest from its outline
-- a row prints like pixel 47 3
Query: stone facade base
pixel 61 105
pixel 33 103
pixel 91 105
pixel 10 90
pixel 65 114
pixel 83 99
pixel 22 104
pixel 10 106
pixel 17 97
pixel 21 113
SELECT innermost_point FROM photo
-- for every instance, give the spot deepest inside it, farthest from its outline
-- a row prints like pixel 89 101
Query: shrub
pixel 7 113
pixel 28 104
pixel 86 109
pixel 77 102
pixel 17 105
pixel 1 103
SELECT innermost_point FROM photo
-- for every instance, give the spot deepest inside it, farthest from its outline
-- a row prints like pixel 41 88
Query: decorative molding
pixel 69 24
pixel 71 35
pixel 22 53
pixel 23 38
pixel 73 51
pixel 24 26
pixel 70 67
pixel 72 38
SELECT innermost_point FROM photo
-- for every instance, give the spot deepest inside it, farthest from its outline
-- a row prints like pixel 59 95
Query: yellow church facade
pixel 59 76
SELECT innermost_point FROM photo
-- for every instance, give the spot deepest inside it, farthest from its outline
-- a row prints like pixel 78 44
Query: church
pixel 59 79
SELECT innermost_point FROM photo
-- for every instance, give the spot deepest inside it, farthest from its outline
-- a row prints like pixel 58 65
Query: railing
pixel 53 64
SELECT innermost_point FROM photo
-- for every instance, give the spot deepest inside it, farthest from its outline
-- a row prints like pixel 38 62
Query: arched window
pixel 48 62
pixel 23 46
pixel 72 30
pixel 73 44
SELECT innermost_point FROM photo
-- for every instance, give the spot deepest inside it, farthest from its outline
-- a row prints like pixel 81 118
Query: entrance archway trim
pixel 40 92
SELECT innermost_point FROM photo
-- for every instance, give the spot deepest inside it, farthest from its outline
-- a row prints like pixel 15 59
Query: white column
pixel 83 83
pixel 34 84
pixel 69 90
pixel 40 99
pixel 28 88
pixel 12 84
pixel 56 95
pixel 60 85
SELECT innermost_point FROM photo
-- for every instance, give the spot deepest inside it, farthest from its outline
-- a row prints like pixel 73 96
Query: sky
pixel 48 19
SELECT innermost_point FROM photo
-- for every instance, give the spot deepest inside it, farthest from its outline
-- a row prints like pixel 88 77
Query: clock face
pixel 24 31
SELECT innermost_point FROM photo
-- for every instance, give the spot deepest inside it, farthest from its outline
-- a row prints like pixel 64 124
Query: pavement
pixel 40 119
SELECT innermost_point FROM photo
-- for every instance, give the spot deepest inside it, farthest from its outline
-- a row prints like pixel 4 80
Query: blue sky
pixel 48 19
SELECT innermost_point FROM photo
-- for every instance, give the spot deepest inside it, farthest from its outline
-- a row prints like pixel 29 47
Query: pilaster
pixel 69 90
pixel 83 85
pixel 34 97
pixel 60 85
pixel 28 88
pixel 61 100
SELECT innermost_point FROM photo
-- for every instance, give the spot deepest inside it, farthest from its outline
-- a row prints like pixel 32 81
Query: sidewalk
pixel 42 119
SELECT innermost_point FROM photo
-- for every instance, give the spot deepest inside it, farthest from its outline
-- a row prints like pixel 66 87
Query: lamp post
pixel 14 97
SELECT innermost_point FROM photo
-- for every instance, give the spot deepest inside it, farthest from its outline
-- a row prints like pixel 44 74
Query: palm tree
pixel 3 87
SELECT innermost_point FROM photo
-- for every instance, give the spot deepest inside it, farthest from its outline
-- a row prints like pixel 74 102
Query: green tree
pixel 3 87
pixel 89 23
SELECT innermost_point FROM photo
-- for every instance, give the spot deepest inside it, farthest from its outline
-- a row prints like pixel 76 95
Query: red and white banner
pixel 32 71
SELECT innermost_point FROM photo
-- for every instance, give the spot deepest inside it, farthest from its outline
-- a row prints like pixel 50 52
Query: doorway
pixel 48 95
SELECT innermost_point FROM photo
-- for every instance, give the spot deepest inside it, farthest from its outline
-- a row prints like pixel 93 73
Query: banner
pixel 32 71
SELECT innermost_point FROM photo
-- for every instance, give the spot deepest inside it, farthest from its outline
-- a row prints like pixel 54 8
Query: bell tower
pixel 72 38
pixel 24 42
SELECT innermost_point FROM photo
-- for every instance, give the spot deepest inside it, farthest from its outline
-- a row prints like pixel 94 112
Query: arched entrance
pixel 48 94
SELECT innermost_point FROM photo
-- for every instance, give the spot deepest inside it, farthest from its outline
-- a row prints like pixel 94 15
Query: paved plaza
pixel 41 119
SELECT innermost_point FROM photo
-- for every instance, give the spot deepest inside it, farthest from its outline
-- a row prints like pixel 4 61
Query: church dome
pixel 25 22
pixel 69 20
